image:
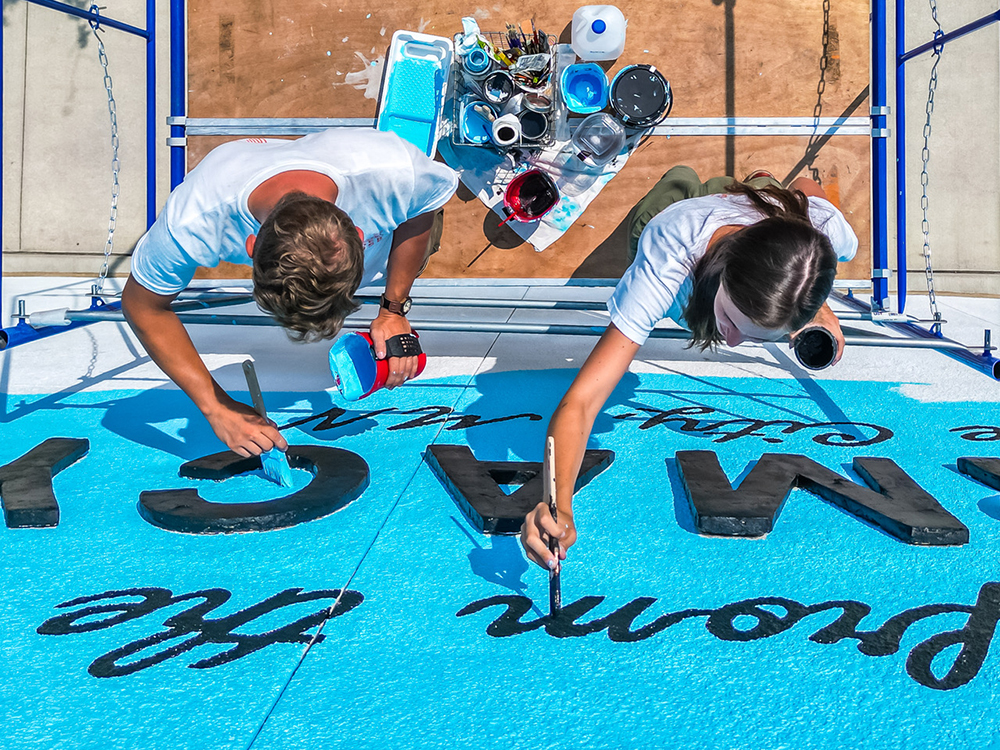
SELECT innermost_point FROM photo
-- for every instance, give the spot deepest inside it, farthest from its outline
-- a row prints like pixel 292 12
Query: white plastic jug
pixel 598 32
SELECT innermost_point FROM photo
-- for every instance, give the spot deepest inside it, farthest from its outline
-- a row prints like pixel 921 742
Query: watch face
pixel 640 96
pixel 407 304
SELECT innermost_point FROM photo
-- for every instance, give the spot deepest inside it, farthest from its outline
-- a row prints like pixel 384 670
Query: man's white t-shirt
pixel 381 179
pixel 658 283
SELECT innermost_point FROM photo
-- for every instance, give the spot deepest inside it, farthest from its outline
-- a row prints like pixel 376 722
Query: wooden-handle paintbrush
pixel 549 480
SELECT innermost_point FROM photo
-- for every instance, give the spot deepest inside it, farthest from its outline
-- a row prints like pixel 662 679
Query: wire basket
pixel 466 89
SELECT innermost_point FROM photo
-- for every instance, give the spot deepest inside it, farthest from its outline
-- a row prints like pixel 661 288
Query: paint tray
pixel 413 91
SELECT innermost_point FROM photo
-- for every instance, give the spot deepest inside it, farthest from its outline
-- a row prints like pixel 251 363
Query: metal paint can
pixel 815 348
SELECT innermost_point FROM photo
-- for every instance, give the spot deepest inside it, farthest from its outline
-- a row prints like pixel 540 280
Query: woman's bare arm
pixel 570 427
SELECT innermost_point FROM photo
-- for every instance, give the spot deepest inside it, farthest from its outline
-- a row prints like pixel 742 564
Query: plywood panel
pixel 261 58
pixel 313 58
pixel 474 246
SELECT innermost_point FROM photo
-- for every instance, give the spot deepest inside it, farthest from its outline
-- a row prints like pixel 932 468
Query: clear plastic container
pixel 598 32
pixel 598 140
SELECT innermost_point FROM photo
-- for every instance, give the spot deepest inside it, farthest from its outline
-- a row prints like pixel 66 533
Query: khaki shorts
pixel 434 240
pixel 677 184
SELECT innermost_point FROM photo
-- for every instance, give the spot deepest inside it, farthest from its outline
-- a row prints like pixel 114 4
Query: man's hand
pixel 539 527
pixel 825 318
pixel 243 430
pixel 384 327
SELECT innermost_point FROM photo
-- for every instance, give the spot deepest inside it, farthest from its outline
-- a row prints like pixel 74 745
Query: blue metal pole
pixel 880 176
pixel 3 227
pixel 900 73
pixel 150 113
pixel 942 40
pixel 178 90
pixel 88 15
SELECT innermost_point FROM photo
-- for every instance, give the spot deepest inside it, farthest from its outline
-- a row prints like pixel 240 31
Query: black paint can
pixel 640 96
pixel 815 348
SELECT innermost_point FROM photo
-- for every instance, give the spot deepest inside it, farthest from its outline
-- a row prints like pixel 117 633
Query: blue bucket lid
pixel 352 365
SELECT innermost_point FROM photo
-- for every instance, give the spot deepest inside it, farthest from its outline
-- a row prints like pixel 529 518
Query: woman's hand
pixel 539 528
pixel 825 318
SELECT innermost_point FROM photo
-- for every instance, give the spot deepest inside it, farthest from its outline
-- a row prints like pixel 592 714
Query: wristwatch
pixel 399 308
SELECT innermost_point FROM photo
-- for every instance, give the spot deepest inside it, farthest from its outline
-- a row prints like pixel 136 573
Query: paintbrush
pixel 274 461
pixel 549 480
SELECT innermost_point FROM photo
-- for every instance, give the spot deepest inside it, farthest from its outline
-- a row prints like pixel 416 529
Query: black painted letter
pixel 895 503
pixel 474 485
pixel 339 477
pixel 26 484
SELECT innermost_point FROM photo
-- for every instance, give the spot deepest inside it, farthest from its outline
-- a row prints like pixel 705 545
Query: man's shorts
pixel 678 183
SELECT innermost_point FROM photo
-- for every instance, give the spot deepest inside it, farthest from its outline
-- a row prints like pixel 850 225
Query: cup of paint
pixel 498 87
pixel 585 88
pixel 476 121
pixel 815 348
pixel 534 125
pixel 506 131
pixel 537 102
pixel 356 372
pixel 530 195
pixel 476 62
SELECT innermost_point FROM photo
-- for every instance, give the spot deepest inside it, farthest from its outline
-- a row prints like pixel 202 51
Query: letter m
pixel 892 501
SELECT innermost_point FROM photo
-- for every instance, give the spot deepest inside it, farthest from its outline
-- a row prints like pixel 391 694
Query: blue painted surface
pixel 402 670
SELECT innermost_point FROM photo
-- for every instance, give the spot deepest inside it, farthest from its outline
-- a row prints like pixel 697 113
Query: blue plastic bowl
pixel 585 88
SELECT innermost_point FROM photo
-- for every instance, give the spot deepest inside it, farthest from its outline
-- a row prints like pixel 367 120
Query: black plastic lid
pixel 640 96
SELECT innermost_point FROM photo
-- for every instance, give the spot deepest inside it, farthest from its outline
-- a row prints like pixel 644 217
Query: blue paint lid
pixel 352 365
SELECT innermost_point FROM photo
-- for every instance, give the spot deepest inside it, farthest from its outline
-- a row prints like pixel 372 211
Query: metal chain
pixel 925 156
pixel 115 164
pixel 824 61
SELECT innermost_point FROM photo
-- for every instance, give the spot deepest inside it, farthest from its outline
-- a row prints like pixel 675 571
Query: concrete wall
pixel 57 137
pixel 964 166
pixel 56 160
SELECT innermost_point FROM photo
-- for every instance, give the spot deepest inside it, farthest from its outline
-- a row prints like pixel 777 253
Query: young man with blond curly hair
pixel 317 218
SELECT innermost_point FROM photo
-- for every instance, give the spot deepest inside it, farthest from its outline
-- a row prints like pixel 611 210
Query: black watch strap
pixel 403 345
pixel 399 308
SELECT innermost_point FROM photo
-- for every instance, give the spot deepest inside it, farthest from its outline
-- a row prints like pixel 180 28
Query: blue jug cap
pixel 599 26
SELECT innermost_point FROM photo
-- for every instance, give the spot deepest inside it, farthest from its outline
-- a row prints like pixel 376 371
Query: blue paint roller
pixel 274 461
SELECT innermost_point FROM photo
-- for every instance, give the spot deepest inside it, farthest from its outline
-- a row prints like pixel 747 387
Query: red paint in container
pixel 530 196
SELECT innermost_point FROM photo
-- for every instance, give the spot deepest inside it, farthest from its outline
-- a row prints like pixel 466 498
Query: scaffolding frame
pixel 877 124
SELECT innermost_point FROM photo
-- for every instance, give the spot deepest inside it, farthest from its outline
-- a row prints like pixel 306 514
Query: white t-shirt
pixel 381 179
pixel 658 283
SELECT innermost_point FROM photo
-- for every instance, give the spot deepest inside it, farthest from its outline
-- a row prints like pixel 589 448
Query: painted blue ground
pixel 401 670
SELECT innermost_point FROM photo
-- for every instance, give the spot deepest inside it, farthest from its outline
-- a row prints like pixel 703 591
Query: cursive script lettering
pixel 842 433
pixel 727 623
pixel 978 432
pixel 429 415
pixel 189 628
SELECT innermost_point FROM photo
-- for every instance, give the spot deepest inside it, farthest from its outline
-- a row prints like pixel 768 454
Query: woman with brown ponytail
pixel 730 261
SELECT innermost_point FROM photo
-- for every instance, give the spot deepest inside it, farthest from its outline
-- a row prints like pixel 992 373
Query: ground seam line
pixel 364 556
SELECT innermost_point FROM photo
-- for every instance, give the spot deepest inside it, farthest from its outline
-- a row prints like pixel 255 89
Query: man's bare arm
pixel 167 342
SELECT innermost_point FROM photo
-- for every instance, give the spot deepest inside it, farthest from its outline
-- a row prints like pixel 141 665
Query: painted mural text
pixel 944 661
pixel 191 627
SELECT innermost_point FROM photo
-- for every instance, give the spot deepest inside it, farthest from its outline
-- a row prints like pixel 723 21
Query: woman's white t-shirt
pixel 658 283
pixel 381 179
